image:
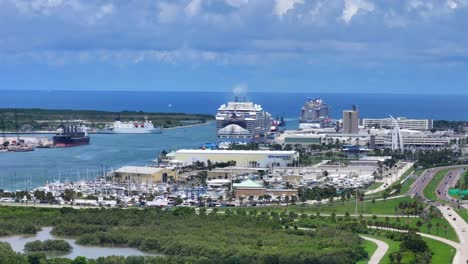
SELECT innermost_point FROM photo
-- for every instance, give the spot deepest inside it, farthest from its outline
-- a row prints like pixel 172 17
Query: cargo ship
pixel 71 136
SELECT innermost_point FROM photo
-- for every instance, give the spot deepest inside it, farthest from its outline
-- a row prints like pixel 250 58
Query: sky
pixel 326 46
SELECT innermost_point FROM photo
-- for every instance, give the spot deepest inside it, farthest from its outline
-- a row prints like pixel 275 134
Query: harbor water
pixel 92 252
pixel 26 170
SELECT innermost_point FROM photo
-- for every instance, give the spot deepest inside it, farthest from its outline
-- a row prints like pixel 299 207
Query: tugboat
pixel 71 136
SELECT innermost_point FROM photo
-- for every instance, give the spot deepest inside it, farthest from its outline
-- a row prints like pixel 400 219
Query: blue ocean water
pixel 32 169
pixel 450 107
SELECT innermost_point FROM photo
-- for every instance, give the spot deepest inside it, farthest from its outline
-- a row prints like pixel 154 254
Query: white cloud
pixel 102 12
pixel 283 6
pixel 240 89
pixel 352 7
pixel 452 4
pixel 193 8
pixel 237 3
pixel 167 12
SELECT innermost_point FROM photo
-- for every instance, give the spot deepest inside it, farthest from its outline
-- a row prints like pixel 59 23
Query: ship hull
pixel 131 131
pixel 66 142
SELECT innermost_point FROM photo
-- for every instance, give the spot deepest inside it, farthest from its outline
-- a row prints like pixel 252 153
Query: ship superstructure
pixel 242 122
pixel 71 136
pixel 314 114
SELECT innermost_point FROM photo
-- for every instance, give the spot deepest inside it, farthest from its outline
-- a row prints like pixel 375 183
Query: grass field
pixel 405 174
pixel 405 187
pixel 463 214
pixel 370 248
pixel 411 221
pixel 374 186
pixel 338 207
pixel 441 252
pixel 430 190
pixel 392 246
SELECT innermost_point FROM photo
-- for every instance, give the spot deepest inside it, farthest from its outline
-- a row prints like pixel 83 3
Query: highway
pixel 458 224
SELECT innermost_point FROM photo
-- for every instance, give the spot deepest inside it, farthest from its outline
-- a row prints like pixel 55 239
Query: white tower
pixel 397 138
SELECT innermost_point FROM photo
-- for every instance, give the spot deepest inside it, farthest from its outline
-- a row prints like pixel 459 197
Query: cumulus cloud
pixel 236 3
pixel 352 7
pixel 240 89
pixel 193 8
pixel 168 12
pixel 283 6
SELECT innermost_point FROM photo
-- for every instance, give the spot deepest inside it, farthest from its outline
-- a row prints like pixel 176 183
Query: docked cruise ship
pixel 314 114
pixel 131 127
pixel 242 122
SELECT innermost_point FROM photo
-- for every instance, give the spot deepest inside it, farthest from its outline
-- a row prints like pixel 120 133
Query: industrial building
pixel 242 158
pixel 242 122
pixel 143 175
pixel 403 122
pixel 351 121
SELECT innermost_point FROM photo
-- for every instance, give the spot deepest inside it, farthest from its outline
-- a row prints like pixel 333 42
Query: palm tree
pixel 429 227
pixel 437 227
pixel 286 199
pixel 251 198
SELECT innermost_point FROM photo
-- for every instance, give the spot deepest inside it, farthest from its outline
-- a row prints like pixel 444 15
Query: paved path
pixel 459 257
pixel 379 253
pixel 461 228
pixel 387 181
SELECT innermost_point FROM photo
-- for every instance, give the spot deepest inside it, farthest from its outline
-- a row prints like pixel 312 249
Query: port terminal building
pixel 403 123
pixel 242 158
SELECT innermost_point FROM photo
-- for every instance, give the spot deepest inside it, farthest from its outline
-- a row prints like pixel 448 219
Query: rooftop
pixel 247 184
pixel 138 170
pixel 219 151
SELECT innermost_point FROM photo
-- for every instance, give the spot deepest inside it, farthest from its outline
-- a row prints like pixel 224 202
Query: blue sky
pixel 327 46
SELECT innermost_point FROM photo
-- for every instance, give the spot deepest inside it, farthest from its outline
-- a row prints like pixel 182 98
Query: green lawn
pixel 411 221
pixel 379 207
pixel 370 248
pixel 392 247
pixel 405 174
pixel 441 252
pixel 374 186
pixel 463 214
pixel 430 190
pixel 405 187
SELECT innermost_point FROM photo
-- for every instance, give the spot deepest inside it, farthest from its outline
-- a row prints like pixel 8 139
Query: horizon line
pixel 248 92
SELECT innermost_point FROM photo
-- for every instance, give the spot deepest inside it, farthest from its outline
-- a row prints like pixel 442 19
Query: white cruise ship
pixel 131 127
pixel 242 122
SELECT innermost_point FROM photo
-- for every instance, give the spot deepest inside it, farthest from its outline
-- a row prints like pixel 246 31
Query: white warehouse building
pixel 243 158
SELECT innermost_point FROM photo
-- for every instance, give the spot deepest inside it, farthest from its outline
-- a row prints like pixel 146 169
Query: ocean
pixel 449 107
pixel 19 171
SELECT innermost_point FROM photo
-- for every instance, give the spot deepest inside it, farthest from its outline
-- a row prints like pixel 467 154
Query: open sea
pixel 19 171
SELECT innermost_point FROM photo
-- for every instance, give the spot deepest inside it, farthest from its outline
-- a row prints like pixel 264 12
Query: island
pixel 36 119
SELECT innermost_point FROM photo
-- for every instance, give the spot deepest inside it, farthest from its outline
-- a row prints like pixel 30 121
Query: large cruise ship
pixel 314 114
pixel 131 127
pixel 242 122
